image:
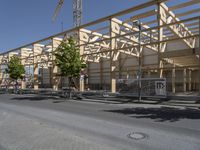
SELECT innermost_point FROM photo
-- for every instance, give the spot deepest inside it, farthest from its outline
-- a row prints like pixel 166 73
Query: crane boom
pixel 77 11
pixel 58 7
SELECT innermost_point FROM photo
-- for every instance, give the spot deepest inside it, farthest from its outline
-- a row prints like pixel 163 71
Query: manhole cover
pixel 137 135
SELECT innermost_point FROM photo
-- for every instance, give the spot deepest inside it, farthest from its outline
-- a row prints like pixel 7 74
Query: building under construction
pixel 153 40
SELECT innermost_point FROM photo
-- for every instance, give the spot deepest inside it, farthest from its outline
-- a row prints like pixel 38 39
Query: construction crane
pixel 77 11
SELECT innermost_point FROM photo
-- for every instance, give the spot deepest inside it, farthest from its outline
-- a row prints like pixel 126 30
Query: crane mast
pixel 77 12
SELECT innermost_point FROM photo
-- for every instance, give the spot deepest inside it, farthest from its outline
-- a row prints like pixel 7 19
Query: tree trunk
pixel 70 92
pixel 16 87
pixel 75 83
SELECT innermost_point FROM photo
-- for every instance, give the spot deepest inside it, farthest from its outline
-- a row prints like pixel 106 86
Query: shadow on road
pixel 35 98
pixel 59 101
pixel 119 100
pixel 161 114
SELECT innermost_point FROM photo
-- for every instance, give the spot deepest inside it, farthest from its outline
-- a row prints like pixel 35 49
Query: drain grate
pixel 137 135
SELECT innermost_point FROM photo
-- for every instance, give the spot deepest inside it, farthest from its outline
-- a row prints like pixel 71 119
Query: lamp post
pixel 138 24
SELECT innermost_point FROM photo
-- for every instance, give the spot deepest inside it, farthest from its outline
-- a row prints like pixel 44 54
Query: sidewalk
pixel 182 99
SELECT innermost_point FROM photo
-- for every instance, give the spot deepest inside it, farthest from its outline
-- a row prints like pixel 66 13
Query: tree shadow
pixel 35 98
pixel 197 101
pixel 59 101
pixel 102 101
pixel 161 114
pixel 122 100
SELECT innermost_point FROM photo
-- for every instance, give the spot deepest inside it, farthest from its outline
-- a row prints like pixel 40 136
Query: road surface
pixel 31 122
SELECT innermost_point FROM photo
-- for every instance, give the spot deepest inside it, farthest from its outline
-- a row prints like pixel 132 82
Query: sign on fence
pixel 150 87
pixel 160 88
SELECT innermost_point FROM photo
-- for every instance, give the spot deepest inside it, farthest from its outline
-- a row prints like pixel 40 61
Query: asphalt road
pixel 35 122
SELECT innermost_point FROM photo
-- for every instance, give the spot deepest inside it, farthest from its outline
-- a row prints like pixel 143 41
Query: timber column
pixel 114 28
pixel 23 51
pixel 184 79
pixel 173 80
pixel 160 37
pixel 199 57
pixel 1 72
pixel 55 78
pixel 189 80
pixel 101 73
pixel 81 47
pixel 120 67
pixel 37 49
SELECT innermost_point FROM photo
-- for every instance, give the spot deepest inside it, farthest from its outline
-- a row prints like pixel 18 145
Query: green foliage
pixel 68 58
pixel 15 68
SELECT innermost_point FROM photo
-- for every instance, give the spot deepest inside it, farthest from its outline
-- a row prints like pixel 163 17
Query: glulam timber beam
pixel 132 9
pixel 11 54
pixel 181 30
pixel 26 56
pixel 133 38
pixel 89 42
pixel 186 61
pixel 5 59
pixel 89 36
pixel 180 53
pixel 155 28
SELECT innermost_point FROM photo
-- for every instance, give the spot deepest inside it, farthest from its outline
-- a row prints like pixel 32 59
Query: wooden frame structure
pixel 110 46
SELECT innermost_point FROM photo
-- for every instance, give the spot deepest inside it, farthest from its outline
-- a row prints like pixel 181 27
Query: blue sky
pixel 25 21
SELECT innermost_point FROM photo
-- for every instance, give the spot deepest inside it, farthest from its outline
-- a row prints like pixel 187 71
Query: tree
pixel 68 59
pixel 15 69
